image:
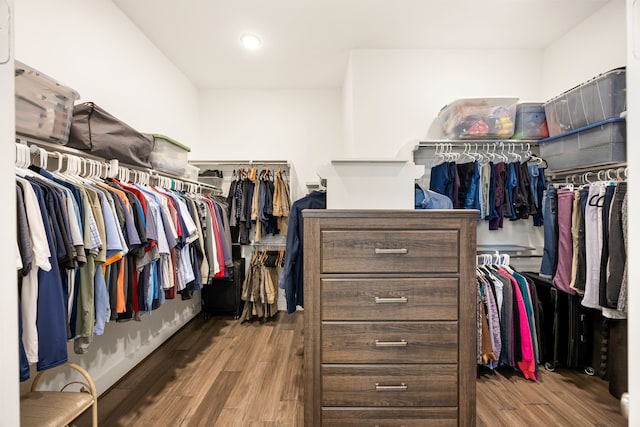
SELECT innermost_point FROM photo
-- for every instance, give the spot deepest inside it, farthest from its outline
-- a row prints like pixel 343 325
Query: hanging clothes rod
pixel 433 143
pixel 561 174
pixel 503 248
pixel 52 147
pixel 113 167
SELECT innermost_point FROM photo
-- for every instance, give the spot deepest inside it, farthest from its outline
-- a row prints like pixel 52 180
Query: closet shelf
pixel 207 163
pixel 431 142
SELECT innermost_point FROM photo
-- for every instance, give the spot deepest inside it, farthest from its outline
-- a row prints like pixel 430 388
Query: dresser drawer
pixel 390 417
pixel 389 385
pixel 393 251
pixel 390 299
pixel 389 342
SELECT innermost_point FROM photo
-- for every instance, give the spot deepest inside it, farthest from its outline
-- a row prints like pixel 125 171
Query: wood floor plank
pixel 214 401
pixel 223 373
pixel 276 369
pixel 229 417
pixel 196 383
pixel 293 381
pixel 244 394
pixel 567 397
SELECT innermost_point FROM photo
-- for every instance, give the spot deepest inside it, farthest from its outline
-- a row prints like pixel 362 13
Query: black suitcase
pixel 223 296
pixel 567 328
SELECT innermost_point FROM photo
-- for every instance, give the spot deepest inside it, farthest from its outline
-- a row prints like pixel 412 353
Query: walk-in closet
pixel 336 213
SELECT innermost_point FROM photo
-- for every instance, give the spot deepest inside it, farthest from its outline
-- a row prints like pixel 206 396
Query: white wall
pixel 602 42
pixel 95 49
pixel 593 47
pixel 396 96
pixel 303 126
pixel 633 157
pixel 397 93
pixel 9 403
pixel 347 107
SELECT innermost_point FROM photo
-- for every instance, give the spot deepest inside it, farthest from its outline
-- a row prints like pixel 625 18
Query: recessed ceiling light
pixel 251 41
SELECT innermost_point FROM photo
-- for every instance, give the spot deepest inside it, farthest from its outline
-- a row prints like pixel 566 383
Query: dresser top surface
pixel 390 213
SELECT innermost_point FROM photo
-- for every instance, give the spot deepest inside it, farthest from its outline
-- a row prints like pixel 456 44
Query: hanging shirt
pixel 562 277
pixel 593 243
pixel 51 314
pixel 527 361
pixel 292 276
pixel 510 185
pixel 41 261
pixel 25 249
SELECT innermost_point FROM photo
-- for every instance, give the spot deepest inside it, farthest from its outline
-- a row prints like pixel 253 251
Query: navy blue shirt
pixel 294 257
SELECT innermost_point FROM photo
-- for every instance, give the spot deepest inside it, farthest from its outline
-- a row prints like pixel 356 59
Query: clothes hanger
pixel 528 153
pixel 455 154
pixel 68 167
pixel 436 156
pixel 23 159
pixel 502 156
pixel 476 156
pixel 505 262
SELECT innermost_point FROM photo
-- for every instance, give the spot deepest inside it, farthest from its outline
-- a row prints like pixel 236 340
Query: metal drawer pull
pixel 401 343
pixel 391 300
pixel 401 387
pixel 391 251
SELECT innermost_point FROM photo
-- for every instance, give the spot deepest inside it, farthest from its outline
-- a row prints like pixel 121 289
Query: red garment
pixel 143 203
pixel 172 291
pixel 216 238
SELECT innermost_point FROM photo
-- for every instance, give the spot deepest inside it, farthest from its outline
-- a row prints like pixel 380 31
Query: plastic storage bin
pixel 216 181
pixel 531 122
pixel 191 172
pixel 601 98
pixel 599 143
pixel 168 155
pixel 44 107
pixel 479 118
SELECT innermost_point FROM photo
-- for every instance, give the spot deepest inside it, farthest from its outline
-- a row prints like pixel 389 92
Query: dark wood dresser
pixel 390 309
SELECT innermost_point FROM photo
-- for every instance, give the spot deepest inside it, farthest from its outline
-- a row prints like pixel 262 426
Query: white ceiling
pixel 307 42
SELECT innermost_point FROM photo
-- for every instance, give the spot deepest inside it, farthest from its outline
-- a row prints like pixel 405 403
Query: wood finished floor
pixel 221 373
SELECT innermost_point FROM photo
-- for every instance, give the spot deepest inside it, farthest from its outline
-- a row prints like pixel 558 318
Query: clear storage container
pixel 191 172
pixel 216 181
pixel 596 144
pixel 479 118
pixel 531 122
pixel 601 98
pixel 168 155
pixel 44 107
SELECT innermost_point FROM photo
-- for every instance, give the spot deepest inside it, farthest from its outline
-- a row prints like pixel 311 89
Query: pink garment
pixel 562 278
pixel 527 365
pixel 217 239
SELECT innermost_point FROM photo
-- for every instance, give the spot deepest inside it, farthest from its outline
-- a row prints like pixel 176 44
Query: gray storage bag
pixel 95 130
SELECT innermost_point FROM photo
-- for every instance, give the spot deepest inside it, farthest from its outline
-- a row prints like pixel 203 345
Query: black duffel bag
pixel 95 130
